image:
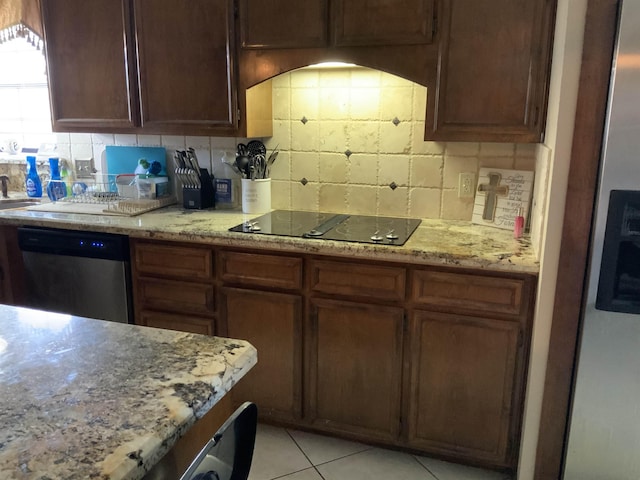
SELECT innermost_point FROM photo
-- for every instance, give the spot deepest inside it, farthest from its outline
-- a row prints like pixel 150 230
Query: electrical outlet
pixel 84 168
pixel 466 185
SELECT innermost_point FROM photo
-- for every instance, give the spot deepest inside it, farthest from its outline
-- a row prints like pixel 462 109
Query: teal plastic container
pixel 33 183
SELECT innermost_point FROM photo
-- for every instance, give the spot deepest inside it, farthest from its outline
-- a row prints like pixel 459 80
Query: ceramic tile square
pixel 305 136
pixel 462 149
pixel 496 162
pixel 526 149
pixel 150 140
pixel 304 197
pixel 363 169
pixel 426 171
pixel 363 136
pixel 525 163
pixel 80 138
pixel 64 150
pixel 223 143
pixel 304 103
pixel 419 103
pixel 281 103
pixel 308 474
pixel 321 449
pixel 81 150
pixel 373 464
pixel 275 454
pixel 333 198
pixel 390 80
pixel 365 77
pixel 306 78
pixel 197 142
pixel 66 138
pixel 394 168
pixel 101 138
pixel 333 168
pixel 335 78
pixel 395 138
pixel 453 166
pixel 454 208
pixel 125 139
pixel 365 104
pixel 174 141
pixel 424 202
pixel 282 133
pixel 204 157
pixel 334 103
pixel 281 168
pixel 393 203
pixel 497 149
pixel 452 471
pixel 333 136
pixel 397 102
pixel 280 194
pixel 305 165
pixel 362 199
pixel 281 81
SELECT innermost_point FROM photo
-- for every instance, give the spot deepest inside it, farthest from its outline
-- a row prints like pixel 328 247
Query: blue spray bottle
pixel 33 183
pixel 56 189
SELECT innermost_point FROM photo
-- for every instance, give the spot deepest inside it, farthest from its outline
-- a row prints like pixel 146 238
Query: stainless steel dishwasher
pixel 80 273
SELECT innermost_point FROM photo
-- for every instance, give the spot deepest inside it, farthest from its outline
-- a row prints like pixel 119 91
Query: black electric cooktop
pixel 331 226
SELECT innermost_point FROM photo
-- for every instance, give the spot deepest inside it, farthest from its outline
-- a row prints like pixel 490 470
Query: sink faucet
pixel 4 179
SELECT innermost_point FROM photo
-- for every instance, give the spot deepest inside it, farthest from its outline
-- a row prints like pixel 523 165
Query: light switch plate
pixel 84 168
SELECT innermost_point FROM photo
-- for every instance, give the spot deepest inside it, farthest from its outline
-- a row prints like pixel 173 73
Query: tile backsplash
pixel 350 140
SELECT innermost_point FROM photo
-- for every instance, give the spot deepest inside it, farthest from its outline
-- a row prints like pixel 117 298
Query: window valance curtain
pixel 21 18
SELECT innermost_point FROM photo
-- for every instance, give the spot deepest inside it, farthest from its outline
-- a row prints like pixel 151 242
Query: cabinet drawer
pixel 177 261
pixel 357 280
pixel 181 297
pixel 181 323
pixel 260 270
pixel 468 292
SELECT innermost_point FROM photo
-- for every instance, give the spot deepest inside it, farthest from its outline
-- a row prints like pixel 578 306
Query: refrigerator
pixel 604 427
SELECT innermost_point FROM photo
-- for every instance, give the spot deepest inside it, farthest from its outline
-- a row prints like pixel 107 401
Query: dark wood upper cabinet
pixel 329 23
pixel 185 63
pixel 283 23
pixel 91 68
pixel 493 68
pixel 153 66
pixel 382 22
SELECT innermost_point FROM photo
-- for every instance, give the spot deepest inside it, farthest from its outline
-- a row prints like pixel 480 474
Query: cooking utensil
pixel 270 161
pixel 256 147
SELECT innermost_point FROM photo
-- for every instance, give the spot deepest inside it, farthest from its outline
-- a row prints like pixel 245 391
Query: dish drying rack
pixel 110 197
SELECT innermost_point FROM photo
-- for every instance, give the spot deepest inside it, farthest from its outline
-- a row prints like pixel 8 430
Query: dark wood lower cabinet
pixel 462 386
pixel 271 322
pixel 172 321
pixel 354 365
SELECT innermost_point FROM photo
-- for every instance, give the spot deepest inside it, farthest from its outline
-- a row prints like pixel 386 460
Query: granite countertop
pixel 86 398
pixel 435 242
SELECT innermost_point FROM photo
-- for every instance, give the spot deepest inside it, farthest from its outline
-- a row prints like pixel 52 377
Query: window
pixel 24 97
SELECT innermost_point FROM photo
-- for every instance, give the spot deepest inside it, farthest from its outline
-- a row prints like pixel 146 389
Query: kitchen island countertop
pixel 435 242
pixel 86 398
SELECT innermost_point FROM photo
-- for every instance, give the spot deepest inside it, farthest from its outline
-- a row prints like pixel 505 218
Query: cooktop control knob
pixel 392 235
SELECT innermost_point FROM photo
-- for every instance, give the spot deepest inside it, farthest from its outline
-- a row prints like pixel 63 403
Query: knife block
pixel 199 198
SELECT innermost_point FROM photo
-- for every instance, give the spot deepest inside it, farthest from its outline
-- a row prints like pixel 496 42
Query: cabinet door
pixel 90 64
pixel 271 322
pixel 283 23
pixel 354 367
pixel 173 321
pixel 493 71
pixel 462 386
pixel 185 52
pixel 382 22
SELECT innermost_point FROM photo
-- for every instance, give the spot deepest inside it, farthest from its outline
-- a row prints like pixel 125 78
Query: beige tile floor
pixel 293 455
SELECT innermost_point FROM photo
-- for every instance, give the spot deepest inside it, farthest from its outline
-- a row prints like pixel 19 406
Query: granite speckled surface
pixel 86 398
pixel 435 242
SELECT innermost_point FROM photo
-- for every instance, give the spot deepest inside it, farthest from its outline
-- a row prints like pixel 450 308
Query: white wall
pixel 565 73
